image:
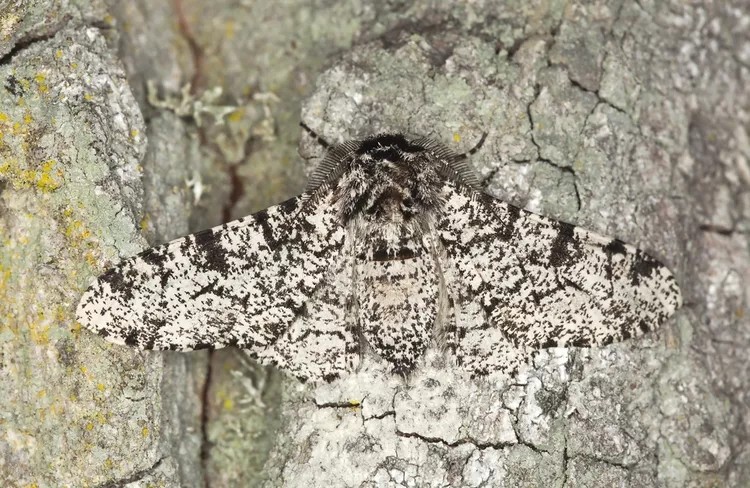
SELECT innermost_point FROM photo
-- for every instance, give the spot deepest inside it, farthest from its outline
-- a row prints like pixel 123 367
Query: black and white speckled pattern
pixel 391 248
pixel 238 284
pixel 525 282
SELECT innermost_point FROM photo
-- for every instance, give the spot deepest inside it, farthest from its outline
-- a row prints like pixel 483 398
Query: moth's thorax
pixel 389 180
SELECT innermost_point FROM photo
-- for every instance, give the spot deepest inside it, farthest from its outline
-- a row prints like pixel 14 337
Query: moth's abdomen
pixel 397 293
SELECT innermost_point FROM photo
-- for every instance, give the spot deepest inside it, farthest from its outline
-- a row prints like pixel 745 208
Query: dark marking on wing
pixel 210 251
pixel 616 247
pixel 644 267
pixel 117 282
pixel 560 254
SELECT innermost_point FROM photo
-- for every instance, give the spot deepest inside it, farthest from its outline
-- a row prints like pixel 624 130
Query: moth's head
pixel 420 161
pixel 389 177
pixel 389 150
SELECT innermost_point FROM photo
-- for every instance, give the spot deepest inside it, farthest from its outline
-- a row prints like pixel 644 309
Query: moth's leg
pixel 325 144
pixel 450 331
pixel 445 333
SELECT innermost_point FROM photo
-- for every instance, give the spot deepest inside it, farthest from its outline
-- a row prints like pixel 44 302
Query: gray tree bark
pixel 628 118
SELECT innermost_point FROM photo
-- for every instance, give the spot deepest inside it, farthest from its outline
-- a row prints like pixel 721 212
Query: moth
pixel 391 249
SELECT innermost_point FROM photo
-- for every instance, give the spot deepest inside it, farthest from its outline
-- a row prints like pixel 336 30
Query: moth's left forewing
pixel 532 282
pixel 242 283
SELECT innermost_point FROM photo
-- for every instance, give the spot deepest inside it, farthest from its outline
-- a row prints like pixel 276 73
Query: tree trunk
pixel 627 118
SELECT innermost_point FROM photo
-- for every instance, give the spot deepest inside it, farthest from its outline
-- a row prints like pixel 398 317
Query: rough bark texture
pixel 629 118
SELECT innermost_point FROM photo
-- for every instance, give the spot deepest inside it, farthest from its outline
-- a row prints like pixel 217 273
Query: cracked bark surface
pixel 628 118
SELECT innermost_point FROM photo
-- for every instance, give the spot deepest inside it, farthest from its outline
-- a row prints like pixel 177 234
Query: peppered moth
pixel 392 248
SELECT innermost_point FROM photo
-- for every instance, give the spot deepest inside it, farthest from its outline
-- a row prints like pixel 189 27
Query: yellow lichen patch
pixel 41 82
pixel 75 329
pixel 100 386
pixel 87 447
pixel 3 117
pixel 88 97
pixel 144 431
pixel 143 224
pixel 108 463
pixel 236 115
pixel 229 29
pixel 89 426
pixel 134 133
pixel 39 329
pixel 456 137
pixel 100 418
pixel 90 260
pixel 45 178
pixel 5 276
pixel 45 181
pixel 228 404
pixel 76 230
pixel 59 53
pixel 78 236
pixel 57 408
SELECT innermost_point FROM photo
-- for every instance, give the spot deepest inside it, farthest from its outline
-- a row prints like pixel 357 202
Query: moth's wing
pixel 322 342
pixel 240 284
pixel 535 282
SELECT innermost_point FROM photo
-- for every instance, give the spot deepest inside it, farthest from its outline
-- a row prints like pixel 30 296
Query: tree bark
pixel 627 118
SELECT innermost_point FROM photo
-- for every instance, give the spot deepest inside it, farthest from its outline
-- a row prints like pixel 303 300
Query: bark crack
pixel 137 476
pixel 565 459
pixel 563 169
pixel 380 416
pixel 196 51
pixel 65 22
pixel 205 442
pixel 600 99
pixel 459 442
pixel 25 44
pixel 351 404
pixel 721 230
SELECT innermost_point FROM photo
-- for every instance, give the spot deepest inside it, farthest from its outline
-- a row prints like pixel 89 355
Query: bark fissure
pixel 564 169
pixel 133 478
